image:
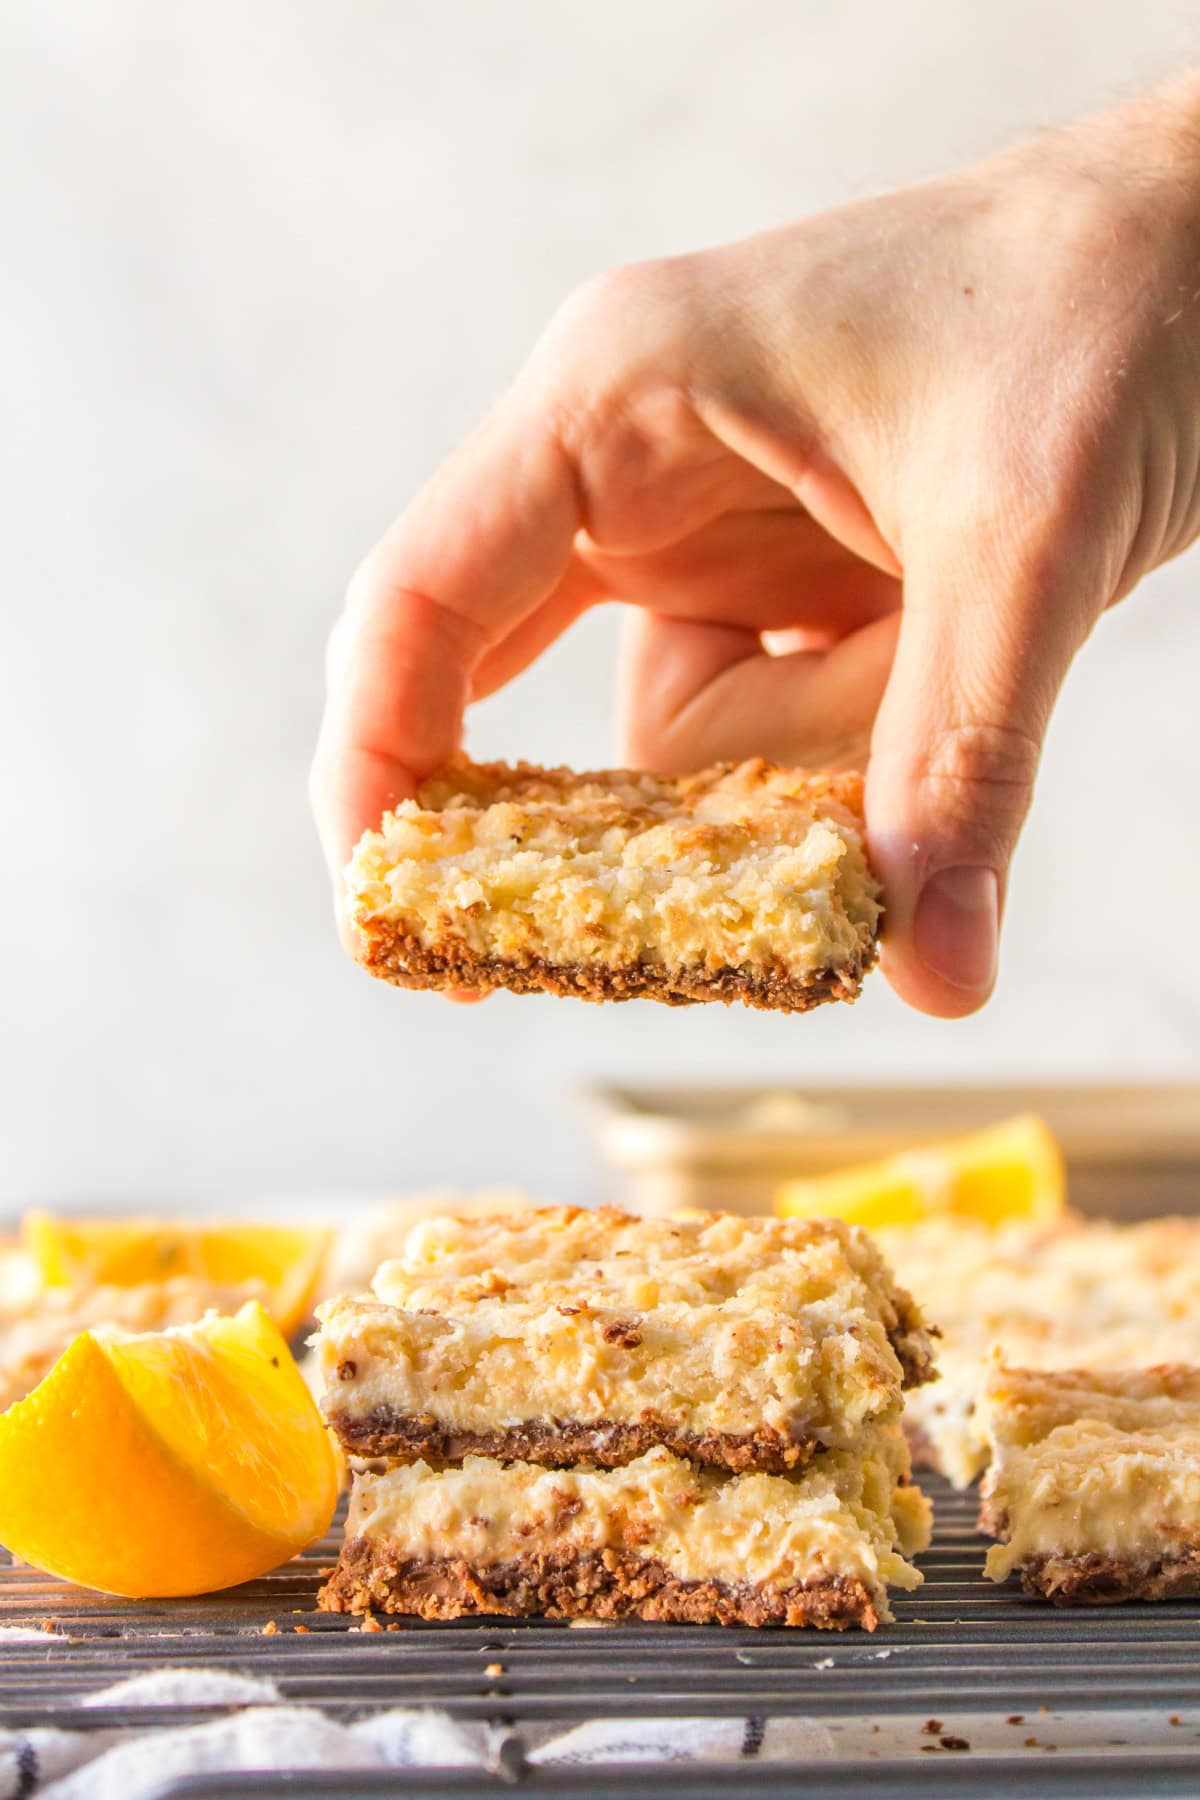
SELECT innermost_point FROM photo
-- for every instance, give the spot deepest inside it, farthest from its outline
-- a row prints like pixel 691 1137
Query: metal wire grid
pixel 1076 1778
pixel 960 1645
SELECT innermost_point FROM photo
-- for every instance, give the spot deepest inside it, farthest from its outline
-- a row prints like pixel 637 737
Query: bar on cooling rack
pixel 1094 1483
pixel 1075 1294
pixel 562 1335
pixel 656 1539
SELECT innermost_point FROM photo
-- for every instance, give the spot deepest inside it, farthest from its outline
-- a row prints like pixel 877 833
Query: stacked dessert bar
pixel 588 1414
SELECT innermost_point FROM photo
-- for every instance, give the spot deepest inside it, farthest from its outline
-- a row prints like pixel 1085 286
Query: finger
pixel 759 566
pixel 766 569
pixel 575 593
pixel 782 450
pixel 479 548
pixel 695 693
pixel 987 635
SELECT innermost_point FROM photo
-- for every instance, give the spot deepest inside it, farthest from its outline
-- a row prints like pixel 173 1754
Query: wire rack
pixel 981 1659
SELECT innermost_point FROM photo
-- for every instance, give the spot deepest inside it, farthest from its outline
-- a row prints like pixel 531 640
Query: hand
pixel 866 483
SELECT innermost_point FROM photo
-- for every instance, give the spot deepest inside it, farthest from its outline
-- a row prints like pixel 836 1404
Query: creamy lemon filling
pixel 698 1369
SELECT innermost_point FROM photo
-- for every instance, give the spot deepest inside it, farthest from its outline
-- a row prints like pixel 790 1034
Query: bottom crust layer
pixel 371 1574
pixel 1093 1579
pixel 554 1444
pixel 396 956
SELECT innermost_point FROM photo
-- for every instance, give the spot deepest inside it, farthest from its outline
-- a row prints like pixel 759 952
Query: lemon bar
pixel 746 882
pixel 1078 1294
pixel 1094 1484
pixel 654 1539
pixel 563 1335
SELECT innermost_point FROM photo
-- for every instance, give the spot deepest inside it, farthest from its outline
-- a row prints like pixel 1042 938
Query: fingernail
pixel 956 930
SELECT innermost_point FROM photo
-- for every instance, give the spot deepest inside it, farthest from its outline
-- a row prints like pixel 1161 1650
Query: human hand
pixel 921 443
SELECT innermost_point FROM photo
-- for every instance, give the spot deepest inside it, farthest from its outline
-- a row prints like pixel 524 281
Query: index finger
pixel 480 547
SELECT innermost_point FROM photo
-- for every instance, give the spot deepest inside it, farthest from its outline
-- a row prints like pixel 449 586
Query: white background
pixel 263 261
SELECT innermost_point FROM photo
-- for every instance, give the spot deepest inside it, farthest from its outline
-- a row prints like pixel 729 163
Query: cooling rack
pixel 1090 1701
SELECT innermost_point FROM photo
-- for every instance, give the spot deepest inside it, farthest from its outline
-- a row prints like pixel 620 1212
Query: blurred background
pixel 262 266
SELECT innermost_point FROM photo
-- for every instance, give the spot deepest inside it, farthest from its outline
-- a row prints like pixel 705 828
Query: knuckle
pixel 590 317
pixel 617 293
pixel 611 383
pixel 627 318
pixel 971 754
pixel 979 779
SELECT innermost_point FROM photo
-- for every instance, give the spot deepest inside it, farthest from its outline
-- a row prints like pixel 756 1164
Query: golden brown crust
pixel 387 950
pixel 482 784
pixel 555 1444
pixel 373 1574
pixel 1093 1579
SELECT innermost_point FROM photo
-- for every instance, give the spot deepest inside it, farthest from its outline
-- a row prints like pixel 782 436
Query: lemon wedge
pixel 167 1463
pixel 1013 1170
pixel 285 1259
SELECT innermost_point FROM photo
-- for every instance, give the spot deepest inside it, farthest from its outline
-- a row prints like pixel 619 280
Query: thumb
pixel 986 638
